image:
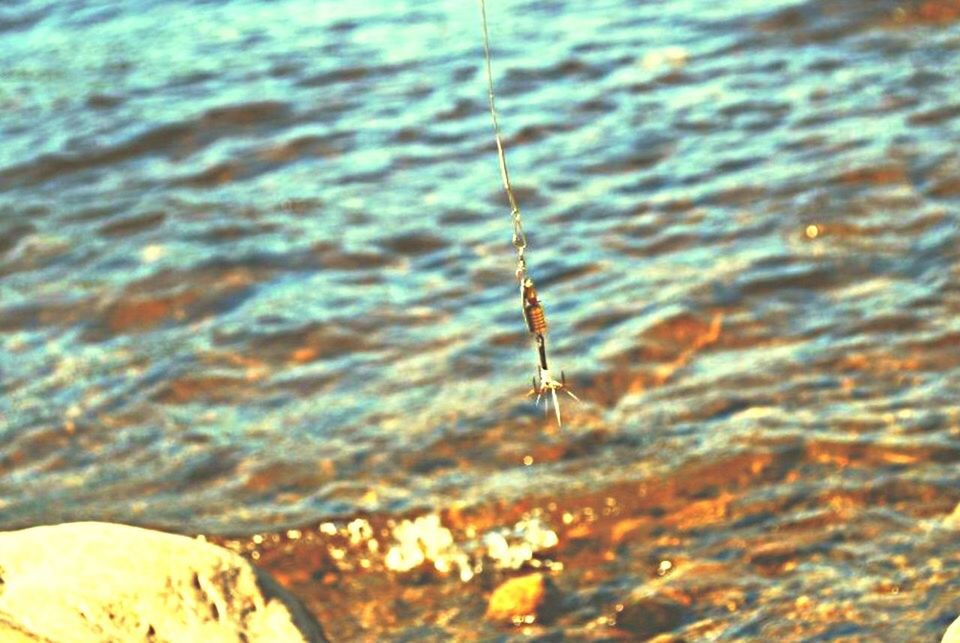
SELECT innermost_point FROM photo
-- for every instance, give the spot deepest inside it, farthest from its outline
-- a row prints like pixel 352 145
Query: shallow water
pixel 255 274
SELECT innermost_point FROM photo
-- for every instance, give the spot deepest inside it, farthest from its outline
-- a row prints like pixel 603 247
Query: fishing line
pixel 545 386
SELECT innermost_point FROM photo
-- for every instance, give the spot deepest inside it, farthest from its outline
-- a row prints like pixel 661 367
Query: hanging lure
pixel 544 383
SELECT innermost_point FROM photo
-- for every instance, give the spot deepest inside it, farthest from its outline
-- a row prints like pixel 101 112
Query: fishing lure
pixel 544 383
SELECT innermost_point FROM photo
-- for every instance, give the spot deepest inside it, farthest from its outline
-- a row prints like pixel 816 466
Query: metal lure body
pixel 536 320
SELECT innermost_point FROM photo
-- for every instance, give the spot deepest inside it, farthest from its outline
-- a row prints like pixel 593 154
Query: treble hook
pixel 543 381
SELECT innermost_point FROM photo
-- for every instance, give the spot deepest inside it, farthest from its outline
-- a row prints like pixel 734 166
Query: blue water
pixel 255 261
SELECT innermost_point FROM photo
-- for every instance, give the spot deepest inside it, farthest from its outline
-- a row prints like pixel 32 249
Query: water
pixel 256 273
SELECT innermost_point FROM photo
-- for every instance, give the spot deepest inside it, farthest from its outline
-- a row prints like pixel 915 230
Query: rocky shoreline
pixel 539 566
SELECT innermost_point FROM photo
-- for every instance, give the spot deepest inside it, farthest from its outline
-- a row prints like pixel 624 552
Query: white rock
pixel 952 635
pixel 953 520
pixel 92 582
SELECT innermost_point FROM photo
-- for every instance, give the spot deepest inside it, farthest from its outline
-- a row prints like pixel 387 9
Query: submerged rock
pixel 86 582
pixel 648 616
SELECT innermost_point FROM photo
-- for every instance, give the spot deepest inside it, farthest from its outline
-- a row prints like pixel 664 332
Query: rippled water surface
pixel 256 274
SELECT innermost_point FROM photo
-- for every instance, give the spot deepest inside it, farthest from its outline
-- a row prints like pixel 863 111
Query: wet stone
pixel 523 600
pixel 652 615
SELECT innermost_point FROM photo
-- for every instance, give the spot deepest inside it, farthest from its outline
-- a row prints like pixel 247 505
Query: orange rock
pixel 519 599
